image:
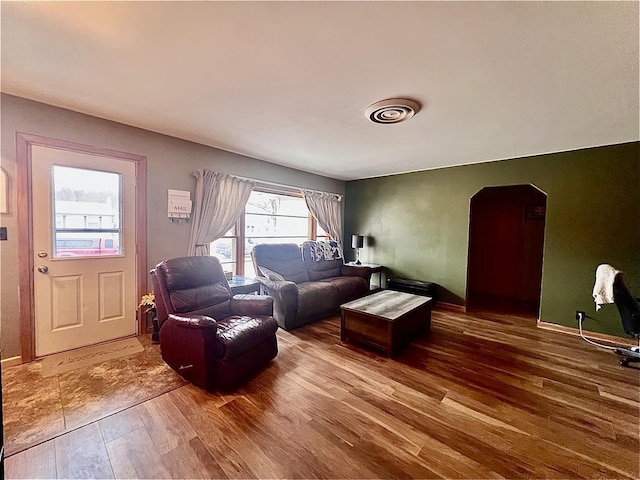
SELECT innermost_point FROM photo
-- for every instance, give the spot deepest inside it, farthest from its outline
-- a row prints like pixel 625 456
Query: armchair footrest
pixel 237 335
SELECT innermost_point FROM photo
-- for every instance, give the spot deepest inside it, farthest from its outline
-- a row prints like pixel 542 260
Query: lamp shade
pixel 357 241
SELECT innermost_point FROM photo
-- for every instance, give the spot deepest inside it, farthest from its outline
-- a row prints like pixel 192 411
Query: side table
pixel 374 268
pixel 240 284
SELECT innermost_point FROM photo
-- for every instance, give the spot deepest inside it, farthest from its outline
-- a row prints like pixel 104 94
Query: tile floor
pixel 38 409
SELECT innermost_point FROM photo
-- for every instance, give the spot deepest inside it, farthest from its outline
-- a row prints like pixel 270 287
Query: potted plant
pixel 147 307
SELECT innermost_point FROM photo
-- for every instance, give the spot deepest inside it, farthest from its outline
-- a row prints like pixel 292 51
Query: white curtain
pixel 219 201
pixel 327 210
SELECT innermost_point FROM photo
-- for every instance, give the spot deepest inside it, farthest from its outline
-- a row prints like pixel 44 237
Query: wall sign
pixel 179 204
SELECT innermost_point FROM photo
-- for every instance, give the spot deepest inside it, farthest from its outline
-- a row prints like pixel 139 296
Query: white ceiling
pixel 288 82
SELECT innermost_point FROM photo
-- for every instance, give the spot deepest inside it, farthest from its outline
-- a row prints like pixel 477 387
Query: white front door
pixel 84 248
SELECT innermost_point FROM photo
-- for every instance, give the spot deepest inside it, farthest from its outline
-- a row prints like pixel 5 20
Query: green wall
pixel 418 224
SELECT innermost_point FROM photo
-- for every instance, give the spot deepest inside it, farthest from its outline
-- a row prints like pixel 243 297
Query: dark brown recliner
pixel 211 338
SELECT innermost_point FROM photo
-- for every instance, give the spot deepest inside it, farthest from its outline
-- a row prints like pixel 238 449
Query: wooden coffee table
pixel 386 320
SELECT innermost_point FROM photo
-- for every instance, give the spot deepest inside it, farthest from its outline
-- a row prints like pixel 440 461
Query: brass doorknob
pixel 43 269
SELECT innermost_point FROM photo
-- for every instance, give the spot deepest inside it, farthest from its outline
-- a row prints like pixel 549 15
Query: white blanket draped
pixel 603 288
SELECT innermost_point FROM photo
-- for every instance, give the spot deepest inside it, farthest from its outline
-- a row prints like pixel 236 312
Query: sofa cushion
pixel 319 268
pixel 283 258
pixel 196 285
pixel 191 272
pixel 201 298
pixel 317 298
pixel 349 288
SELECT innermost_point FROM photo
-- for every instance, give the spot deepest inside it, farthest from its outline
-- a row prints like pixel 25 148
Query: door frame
pixel 24 214
pixel 469 239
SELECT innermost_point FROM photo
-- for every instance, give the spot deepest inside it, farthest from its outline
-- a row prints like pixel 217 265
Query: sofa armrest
pixel 284 286
pixel 285 299
pixel 193 321
pixel 250 305
pixel 356 271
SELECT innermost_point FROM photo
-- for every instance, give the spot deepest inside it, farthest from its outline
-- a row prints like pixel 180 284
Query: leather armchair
pixel 211 338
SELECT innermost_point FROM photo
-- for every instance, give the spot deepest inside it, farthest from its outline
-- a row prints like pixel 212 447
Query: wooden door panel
pixel 505 247
pixel 111 295
pixel 66 303
pixel 496 249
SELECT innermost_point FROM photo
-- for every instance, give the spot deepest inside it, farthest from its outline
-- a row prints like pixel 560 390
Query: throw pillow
pixel 271 275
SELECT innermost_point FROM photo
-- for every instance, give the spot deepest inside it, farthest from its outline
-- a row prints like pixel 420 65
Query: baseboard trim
pixel 11 361
pixel 450 307
pixel 603 337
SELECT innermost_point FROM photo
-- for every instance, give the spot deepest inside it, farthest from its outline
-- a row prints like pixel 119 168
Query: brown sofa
pixel 305 287
pixel 211 338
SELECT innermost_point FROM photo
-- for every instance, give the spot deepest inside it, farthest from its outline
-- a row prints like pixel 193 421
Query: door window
pixel 86 213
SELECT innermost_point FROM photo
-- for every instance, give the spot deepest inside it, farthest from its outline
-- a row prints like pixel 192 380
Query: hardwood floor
pixel 484 396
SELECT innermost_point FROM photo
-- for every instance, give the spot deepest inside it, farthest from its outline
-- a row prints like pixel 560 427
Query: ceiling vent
pixel 392 110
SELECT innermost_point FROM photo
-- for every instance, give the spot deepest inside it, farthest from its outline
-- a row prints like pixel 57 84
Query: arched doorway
pixel 506 240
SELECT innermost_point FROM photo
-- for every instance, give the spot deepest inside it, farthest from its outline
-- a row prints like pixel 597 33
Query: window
pixel 226 249
pixel 320 233
pixel 272 215
pixel 84 199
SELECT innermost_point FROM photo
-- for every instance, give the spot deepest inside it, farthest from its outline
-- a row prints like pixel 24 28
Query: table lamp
pixel 357 242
